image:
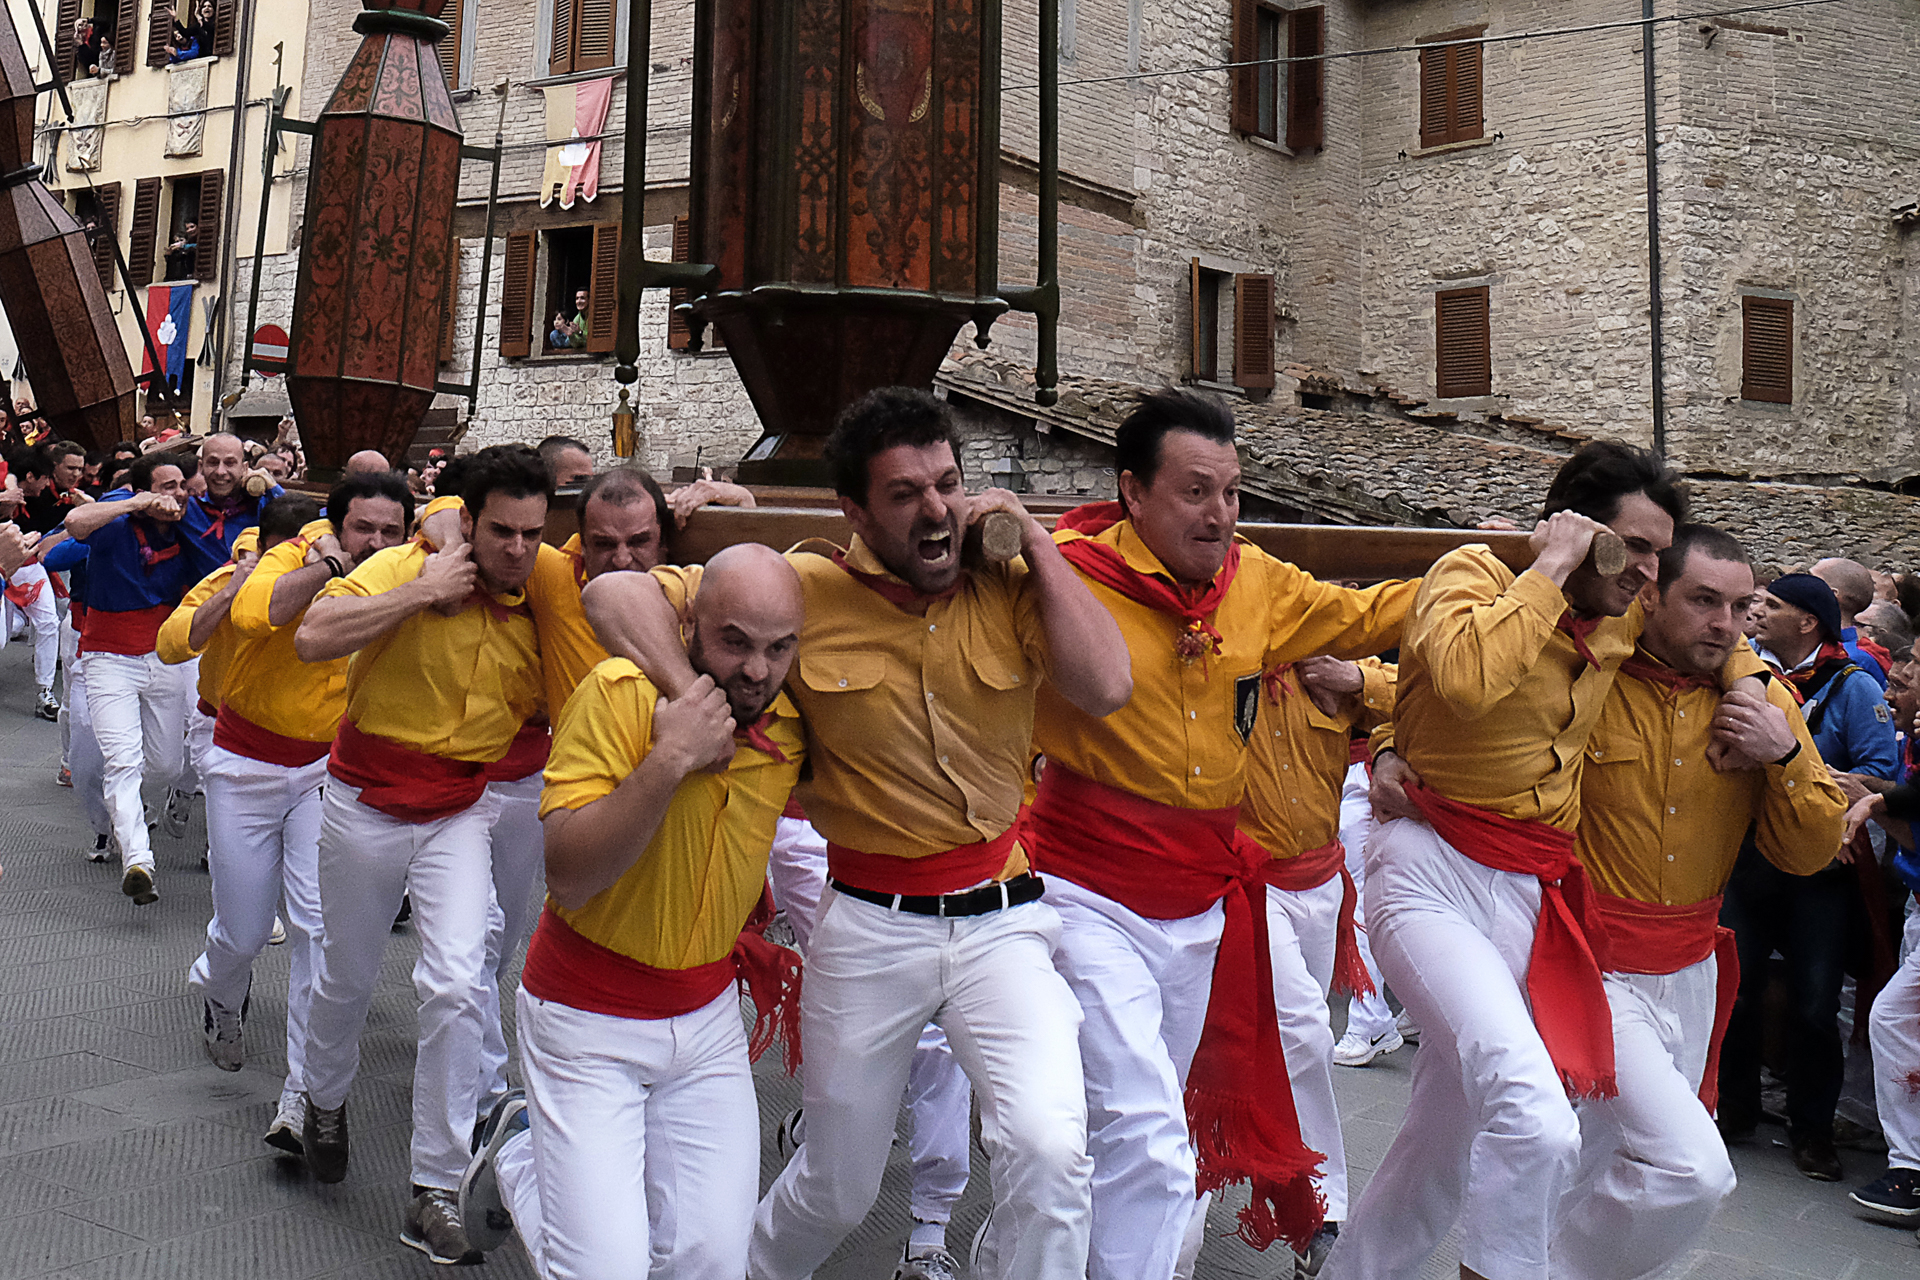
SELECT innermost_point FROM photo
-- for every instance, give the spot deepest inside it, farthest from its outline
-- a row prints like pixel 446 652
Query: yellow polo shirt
pixel 1181 740
pixel 1659 824
pixel 683 902
pixel 456 687
pixel 216 657
pixel 271 686
pixel 1300 759
pixel 919 728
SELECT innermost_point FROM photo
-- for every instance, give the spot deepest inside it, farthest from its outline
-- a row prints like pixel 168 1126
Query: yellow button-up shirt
pixel 1181 740
pixel 1300 759
pixel 1659 824
pixel 271 686
pixel 1495 705
pixel 174 644
pixel 456 687
pixel 918 728
pixel 685 899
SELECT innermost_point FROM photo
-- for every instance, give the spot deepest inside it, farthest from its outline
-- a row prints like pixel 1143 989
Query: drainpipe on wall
pixel 1658 353
pixel 230 224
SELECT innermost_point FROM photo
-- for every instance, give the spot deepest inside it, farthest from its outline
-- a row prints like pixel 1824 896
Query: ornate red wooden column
pixel 364 354
pixel 68 339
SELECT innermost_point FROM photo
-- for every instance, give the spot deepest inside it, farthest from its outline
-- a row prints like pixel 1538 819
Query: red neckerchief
pixel 1828 655
pixel 1106 566
pixel 755 736
pixel 148 556
pixel 1579 629
pixel 1644 666
pixel 219 509
pixel 897 593
pixel 1277 683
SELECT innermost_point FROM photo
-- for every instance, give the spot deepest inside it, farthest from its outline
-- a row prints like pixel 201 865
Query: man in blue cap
pixel 1806 918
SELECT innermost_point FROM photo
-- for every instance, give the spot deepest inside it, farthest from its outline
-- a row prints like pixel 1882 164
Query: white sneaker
pixel 1357 1050
pixel 279 934
pixel 173 819
pixel 104 848
pixel 284 1133
pixel 221 1031
pixel 1408 1030
pixel 926 1264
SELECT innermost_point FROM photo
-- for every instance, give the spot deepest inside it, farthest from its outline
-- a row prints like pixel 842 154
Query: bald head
pixel 746 626
pixel 367 462
pixel 223 462
pixel 1851 582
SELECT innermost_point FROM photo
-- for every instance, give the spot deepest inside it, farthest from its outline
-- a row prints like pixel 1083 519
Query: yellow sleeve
pixel 1802 813
pixel 1310 616
pixel 172 643
pixel 549 583
pixel 255 597
pixel 1477 639
pixel 680 583
pixel 382 571
pixel 1376 692
pixel 603 735
pixel 445 502
pixel 1744 662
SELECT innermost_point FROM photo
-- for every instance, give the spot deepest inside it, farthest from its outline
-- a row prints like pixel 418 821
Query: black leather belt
pixel 1025 887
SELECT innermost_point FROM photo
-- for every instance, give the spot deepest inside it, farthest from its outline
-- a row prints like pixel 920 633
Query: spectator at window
pixel 182 252
pixel 571 333
pixel 86 49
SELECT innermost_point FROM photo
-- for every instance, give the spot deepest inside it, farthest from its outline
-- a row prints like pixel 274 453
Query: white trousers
pixel 643 1156
pixel 1143 987
pixel 69 657
pixel 1893 1030
pixel 368 862
pixel 82 752
pixel 1370 1015
pixel 1652 1166
pixel 938 1096
pixel 139 708
pixel 875 978
pixel 199 728
pixel 519 861
pixel 1489 1135
pixel 42 619
pixel 1302 930
pixel 263 849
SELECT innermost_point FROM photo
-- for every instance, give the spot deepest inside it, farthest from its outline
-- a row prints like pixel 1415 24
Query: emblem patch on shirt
pixel 1880 710
pixel 1246 704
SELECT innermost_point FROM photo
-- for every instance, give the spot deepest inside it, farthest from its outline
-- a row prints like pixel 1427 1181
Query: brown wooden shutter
pixel 206 255
pixel 1465 107
pixel 679 332
pixel 1306 81
pixel 1766 350
pixel 593 34
pixel 62 33
pixel 450 302
pixel 603 287
pixel 126 36
pixel 516 295
pixel 1197 337
pixel 449 46
pixel 1245 80
pixel 1451 90
pixel 108 196
pixel 1433 97
pixel 146 226
pixel 159 30
pixel 226 18
pixel 560 53
pixel 1464 360
pixel 1253 297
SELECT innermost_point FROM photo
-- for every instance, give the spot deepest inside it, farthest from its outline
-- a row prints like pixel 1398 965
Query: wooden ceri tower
pixel 50 285
pixel 844 200
pixel 369 305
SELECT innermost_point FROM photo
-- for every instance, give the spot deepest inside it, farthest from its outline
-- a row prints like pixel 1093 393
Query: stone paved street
pixel 124 1153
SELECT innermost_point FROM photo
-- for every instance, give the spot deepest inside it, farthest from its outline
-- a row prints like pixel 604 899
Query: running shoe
pixel 484 1216
pixel 433 1227
pixel 221 1031
pixel 173 819
pixel 284 1133
pixel 1357 1049
pixel 137 884
pixel 1894 1194
pixel 929 1262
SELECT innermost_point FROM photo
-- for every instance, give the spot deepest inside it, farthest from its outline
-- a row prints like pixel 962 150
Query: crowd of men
pixel 1089 837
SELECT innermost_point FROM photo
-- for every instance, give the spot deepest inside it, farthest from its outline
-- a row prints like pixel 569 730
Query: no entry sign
pixel 270 350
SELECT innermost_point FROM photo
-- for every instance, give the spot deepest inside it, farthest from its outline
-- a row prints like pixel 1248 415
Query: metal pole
pixel 230 247
pixel 486 254
pixel 1047 372
pixel 267 150
pixel 1654 306
pixel 633 195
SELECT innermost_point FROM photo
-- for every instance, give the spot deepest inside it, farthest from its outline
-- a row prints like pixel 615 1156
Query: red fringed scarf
pixel 1649 937
pixel 218 509
pixel 1644 666
pixel 1570 948
pixel 1166 863
pixel 148 556
pixel 897 593
pixel 755 736
pixel 1106 566
pixel 1579 629
pixel 772 974
pixel 1310 870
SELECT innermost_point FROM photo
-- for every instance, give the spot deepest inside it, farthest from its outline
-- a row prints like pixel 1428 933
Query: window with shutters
pixel 516 294
pixel 581 36
pixel 568 259
pixel 1203 301
pixel 1463 362
pixel 1274 97
pixel 1253 314
pixel 126 32
pixel 98 211
pixel 1766 350
pixel 457 16
pixel 1451 107
pixel 145 230
pixel 190 226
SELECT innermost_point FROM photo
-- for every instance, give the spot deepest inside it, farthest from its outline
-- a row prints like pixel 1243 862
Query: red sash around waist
pixel 1649 937
pixel 526 756
pixel 1308 871
pixel 243 737
pixel 206 708
pixel 132 632
pixel 945 872
pixel 794 808
pixel 1166 863
pixel 568 968
pixel 1564 986
pixel 1357 752
pixel 401 782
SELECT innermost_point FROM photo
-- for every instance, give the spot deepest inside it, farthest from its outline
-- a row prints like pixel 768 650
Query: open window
pixel 1235 310
pixel 559 291
pixel 1275 97
pixel 94 37
pixel 97 209
pixel 582 36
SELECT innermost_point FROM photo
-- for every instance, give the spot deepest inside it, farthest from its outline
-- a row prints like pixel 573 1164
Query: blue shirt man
pixel 214 520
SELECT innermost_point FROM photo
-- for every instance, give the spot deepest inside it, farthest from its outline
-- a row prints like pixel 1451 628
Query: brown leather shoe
pixel 1814 1156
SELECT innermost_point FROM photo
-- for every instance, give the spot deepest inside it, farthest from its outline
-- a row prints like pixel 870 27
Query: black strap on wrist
pixel 339 570
pixel 1791 755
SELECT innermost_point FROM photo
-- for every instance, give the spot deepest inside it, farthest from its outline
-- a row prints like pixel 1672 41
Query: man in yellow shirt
pixel 1133 825
pixel 1659 843
pixel 1300 755
pixel 276 716
pixel 639 1092
pixel 1476 906
pixel 445 670
pixel 916 678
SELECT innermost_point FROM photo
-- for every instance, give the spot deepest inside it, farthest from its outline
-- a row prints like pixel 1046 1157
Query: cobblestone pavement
pixel 124 1153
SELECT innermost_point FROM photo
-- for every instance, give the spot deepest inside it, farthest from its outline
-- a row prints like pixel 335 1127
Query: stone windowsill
pixel 546 82
pixel 1469 144
pixel 543 356
pixel 1268 144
